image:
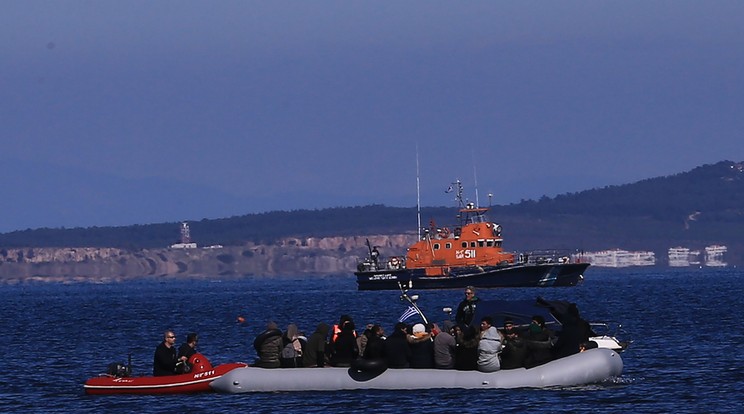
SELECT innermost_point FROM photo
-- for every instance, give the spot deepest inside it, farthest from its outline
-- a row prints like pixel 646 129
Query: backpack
pixel 289 352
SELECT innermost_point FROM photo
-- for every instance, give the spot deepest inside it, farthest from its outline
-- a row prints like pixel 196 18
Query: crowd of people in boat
pixel 459 345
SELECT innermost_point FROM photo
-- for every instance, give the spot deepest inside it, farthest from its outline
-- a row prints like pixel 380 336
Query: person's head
pixel 419 329
pixel 469 292
pixel 169 338
pixel 447 326
pixel 292 331
pixel 323 328
pixel 348 326
pixel 192 339
pixel 343 319
pixel 469 332
pixel 271 325
pixel 486 322
pixel 401 326
pixel 508 324
pixel 538 320
pixel 377 330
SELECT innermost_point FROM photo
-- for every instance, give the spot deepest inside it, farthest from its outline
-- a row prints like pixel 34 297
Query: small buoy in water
pixel 241 319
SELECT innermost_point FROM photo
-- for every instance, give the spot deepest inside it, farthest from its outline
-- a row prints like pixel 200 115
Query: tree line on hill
pixel 704 205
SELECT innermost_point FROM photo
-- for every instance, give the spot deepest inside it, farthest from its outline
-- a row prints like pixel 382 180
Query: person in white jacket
pixel 489 350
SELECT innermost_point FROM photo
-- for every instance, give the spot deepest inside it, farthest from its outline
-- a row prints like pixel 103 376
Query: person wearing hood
pixel 268 345
pixel 422 347
pixel 539 340
pixel 445 346
pixel 397 349
pixel 375 348
pixel 489 349
pixel 315 350
pixel 574 332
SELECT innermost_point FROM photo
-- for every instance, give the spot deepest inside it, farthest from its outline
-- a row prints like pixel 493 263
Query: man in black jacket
pixel 466 308
pixel 164 362
pixel 397 350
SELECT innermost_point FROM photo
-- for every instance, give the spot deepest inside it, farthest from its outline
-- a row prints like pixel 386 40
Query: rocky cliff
pixel 290 256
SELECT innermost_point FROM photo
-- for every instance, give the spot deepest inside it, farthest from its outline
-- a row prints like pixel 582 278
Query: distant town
pixel 710 256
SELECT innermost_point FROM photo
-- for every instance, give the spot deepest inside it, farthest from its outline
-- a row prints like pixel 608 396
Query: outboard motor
pixel 118 370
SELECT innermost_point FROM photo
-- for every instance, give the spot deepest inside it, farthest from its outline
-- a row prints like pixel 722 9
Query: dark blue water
pixel 686 356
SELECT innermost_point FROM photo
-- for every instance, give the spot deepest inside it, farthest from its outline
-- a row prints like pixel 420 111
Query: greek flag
pixel 408 313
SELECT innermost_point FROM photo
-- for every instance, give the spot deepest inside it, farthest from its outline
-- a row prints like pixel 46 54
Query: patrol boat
pixel 469 254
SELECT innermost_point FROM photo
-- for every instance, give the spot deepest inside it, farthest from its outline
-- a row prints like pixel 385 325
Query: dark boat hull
pixel 520 275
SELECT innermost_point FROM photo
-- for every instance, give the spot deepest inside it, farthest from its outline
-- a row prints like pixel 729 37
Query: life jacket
pixel 337 331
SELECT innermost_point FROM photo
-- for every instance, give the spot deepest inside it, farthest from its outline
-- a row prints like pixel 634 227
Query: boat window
pixel 480 243
pixel 436 246
pixel 472 244
pixel 464 245
pixel 448 246
pixel 489 243
pixel 498 244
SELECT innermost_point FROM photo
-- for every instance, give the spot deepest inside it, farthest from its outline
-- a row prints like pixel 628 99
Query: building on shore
pixel 185 242
pixel 620 258
pixel 683 257
pixel 713 256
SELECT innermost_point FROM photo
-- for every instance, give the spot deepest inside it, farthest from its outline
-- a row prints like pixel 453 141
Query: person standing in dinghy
pixel 165 359
pixel 466 308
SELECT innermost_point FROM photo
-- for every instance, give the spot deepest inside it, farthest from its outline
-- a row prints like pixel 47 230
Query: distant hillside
pixel 696 208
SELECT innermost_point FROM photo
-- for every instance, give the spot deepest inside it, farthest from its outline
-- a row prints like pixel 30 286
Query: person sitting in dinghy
pixel 539 340
pixel 344 349
pixel 397 349
pixel 185 352
pixel 315 350
pixel 268 345
pixel 421 346
pixel 514 348
pixel 489 347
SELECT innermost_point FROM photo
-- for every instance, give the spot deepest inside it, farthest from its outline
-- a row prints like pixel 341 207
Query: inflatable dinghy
pixel 197 380
pixel 591 366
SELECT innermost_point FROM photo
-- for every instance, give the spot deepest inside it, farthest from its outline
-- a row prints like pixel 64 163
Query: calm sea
pixel 686 356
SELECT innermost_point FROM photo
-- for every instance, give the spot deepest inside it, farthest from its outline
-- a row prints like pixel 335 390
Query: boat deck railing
pixel 549 256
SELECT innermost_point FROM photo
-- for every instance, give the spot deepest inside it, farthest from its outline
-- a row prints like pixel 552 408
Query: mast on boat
pixel 418 195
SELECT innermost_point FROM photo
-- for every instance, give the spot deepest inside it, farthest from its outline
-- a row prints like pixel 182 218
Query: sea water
pixel 686 355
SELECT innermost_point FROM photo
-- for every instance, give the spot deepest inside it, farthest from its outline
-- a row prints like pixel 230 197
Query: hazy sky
pixel 124 112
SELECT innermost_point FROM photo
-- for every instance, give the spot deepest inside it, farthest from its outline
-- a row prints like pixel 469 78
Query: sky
pixel 134 112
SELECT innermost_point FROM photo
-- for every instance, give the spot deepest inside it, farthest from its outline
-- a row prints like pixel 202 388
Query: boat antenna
pixel 475 179
pixel 458 195
pixel 418 195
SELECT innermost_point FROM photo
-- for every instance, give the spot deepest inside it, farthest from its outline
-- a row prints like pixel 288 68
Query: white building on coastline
pixel 620 258
pixel 684 256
